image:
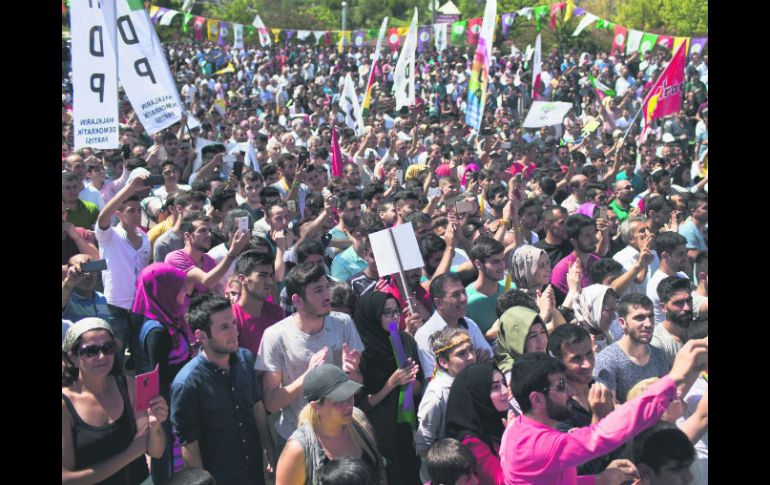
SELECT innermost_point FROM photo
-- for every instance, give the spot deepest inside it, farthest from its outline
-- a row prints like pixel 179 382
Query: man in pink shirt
pixel 533 452
pixel 201 268
pixel 253 314
pixel 581 231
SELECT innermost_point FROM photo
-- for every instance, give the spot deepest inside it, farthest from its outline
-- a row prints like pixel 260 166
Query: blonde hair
pixel 309 416
pixel 640 387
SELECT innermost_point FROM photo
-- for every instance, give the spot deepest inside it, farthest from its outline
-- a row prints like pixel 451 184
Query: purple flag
pixel 507 21
pixel 224 32
pixel 158 14
pixel 358 38
pixel 423 38
pixel 697 44
pixel 578 11
pixel 289 34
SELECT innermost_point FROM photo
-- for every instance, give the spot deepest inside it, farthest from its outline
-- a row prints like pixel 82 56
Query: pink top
pixel 250 329
pixel 180 259
pixel 536 454
pixel 560 270
pixel 488 470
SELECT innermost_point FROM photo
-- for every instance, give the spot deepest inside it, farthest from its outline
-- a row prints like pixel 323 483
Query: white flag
pixel 143 69
pixel 168 17
pixel 238 35
pixel 439 36
pixel 188 5
pixel 303 34
pixel 350 106
pixel 94 75
pixel 525 12
pixel 403 76
pixel 587 20
pixel 544 113
pixel 536 67
pixel 634 39
pixel 318 34
pixel 264 35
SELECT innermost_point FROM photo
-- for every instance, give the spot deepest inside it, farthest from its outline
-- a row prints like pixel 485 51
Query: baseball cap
pixel 327 381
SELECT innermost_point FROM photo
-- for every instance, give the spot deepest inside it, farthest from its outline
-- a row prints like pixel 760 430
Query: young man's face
pixel 317 299
pixel 224 333
pixel 406 207
pixel 70 191
pixel 679 309
pixel 579 361
pixel 200 237
pixel 459 358
pixel 672 473
pixel 493 267
pixel 130 214
pixel 258 284
pixel 388 214
pixel 353 174
pixel 529 218
pixel 170 174
pixel 677 260
pixel 586 241
pixel 638 324
pixel 251 191
pixel 449 188
pixel 351 214
pixel 279 218
pixel 556 397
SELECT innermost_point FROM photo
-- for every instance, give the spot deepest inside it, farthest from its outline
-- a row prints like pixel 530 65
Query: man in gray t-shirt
pixel 631 359
pixel 300 342
pixel 677 305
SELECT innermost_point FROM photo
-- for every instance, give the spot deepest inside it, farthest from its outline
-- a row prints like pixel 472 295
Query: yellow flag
pixel 226 70
pixel 682 40
pixel 402 31
pixel 568 10
pixel 345 36
pixel 276 34
pixel 213 31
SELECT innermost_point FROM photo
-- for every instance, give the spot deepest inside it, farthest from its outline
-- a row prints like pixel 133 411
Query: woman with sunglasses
pixel 165 341
pixel 328 427
pixel 383 380
pixel 103 439
pixel 478 403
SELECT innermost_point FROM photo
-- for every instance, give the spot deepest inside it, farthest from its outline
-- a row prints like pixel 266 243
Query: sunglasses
pixel 91 351
pixel 560 387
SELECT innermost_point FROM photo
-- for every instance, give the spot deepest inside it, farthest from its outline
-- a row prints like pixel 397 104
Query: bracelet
pixel 506 222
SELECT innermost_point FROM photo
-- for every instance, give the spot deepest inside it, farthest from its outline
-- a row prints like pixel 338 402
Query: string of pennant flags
pixel 459 32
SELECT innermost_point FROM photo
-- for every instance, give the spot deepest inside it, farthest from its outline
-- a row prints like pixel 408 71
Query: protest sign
pixel 395 251
pixel 544 113
pixel 94 75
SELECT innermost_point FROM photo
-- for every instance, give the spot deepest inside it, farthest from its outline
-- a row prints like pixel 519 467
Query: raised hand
pixel 600 400
pixel 350 359
pixel 158 412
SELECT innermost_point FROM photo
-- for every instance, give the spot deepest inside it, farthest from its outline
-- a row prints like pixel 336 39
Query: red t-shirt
pixel 250 329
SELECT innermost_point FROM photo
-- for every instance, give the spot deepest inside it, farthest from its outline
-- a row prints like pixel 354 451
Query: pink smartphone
pixel 147 387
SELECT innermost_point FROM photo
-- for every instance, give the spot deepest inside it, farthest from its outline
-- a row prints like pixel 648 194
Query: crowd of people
pixel 556 334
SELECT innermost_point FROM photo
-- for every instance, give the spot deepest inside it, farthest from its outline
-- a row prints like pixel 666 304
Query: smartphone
pixel 602 213
pixel 243 224
pixel 506 145
pixel 238 169
pixel 400 176
pixel 153 180
pixel 92 266
pixel 292 205
pixel 465 207
pixel 126 151
pixel 162 153
pixel 147 388
pixel 434 192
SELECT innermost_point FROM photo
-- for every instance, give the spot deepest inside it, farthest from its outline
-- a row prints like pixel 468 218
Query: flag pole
pixel 631 125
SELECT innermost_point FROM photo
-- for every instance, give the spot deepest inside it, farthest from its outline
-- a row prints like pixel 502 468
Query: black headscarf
pixel 470 410
pixel 377 361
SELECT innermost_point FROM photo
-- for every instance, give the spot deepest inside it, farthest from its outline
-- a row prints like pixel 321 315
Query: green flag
pixel 458 32
pixel 185 21
pixel 135 4
pixel 539 13
pixel 371 34
pixel 603 24
pixel 648 42
pixel 606 90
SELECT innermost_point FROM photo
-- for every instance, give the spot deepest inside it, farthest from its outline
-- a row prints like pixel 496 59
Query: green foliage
pixel 671 17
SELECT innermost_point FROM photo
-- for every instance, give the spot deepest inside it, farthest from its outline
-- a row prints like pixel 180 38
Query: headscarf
pixel 587 209
pixel 157 289
pixel 377 361
pixel 588 308
pixel 470 410
pixel 414 171
pixel 512 335
pixel 443 170
pixel 523 266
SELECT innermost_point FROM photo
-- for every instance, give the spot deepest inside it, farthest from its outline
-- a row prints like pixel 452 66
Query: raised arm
pixel 104 220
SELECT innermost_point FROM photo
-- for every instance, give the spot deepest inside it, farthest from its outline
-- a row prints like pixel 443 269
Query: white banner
pixel 350 106
pixel 634 39
pixel 168 17
pixel 264 35
pixel 403 76
pixel 238 35
pixel 536 68
pixel 94 75
pixel 544 113
pixel 587 20
pixel 439 36
pixel 143 69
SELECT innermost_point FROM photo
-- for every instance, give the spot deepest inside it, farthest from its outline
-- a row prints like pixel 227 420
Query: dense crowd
pixel 556 332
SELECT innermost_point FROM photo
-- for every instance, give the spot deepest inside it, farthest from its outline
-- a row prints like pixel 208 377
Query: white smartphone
pixel 434 192
pixel 243 224
pixel 292 205
pixel 400 176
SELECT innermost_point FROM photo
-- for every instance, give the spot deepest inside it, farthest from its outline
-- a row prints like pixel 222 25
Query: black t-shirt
pixel 555 253
pixel 217 237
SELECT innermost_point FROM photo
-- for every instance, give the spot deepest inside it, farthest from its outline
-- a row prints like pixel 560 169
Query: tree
pixel 671 17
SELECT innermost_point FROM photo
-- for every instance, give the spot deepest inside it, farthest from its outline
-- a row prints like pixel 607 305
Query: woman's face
pixel 537 339
pixel 674 411
pixel 339 413
pixel 390 313
pixel 608 311
pixel 499 392
pixel 95 355
pixel 543 272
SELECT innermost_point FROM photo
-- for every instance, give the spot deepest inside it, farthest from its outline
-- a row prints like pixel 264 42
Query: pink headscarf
pixel 472 167
pixel 157 289
pixel 587 209
pixel 443 170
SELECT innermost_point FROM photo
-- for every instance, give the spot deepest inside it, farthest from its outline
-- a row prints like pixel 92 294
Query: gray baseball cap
pixel 327 381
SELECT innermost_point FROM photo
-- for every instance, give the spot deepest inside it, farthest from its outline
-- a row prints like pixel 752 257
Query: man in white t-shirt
pixel 312 336
pixel 451 304
pixel 636 235
pixel 671 249
pixel 126 248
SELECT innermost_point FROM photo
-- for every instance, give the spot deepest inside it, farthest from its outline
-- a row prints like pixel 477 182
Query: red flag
pixel 337 162
pixel 619 40
pixel 666 41
pixel 665 96
pixel 555 8
pixel 394 41
pixel 474 27
pixel 328 38
pixel 198 24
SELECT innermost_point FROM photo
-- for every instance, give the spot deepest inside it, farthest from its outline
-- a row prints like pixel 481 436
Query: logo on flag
pixel 475 28
pixel 393 39
pixel 508 20
pixel 424 36
pixel 458 29
pixel 619 39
